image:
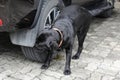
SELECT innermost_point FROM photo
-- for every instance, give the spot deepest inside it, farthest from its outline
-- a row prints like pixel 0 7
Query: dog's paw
pixel 67 72
pixel 44 67
pixel 75 57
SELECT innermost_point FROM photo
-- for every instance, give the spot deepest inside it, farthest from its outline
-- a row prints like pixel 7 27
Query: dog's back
pixel 76 15
pixel 74 11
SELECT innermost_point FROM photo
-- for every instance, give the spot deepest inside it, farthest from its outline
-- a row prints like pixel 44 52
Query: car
pixel 12 11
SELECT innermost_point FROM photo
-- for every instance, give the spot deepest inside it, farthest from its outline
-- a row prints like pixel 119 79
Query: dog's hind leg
pixel 81 34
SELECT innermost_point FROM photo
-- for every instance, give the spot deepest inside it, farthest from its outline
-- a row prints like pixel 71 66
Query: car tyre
pixel 108 12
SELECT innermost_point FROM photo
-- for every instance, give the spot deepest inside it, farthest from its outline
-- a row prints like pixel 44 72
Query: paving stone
pixel 57 66
pixel 78 78
pixel 5 74
pixel 101 51
pixel 107 71
pixel 21 76
pixel 90 59
pixel 2 69
pixel 114 55
pixel 8 78
pixel 92 44
pixel 117 79
pixel 81 73
pixel 12 67
pixel 81 64
pixel 107 63
pixel 26 69
pixel 92 66
pixel 67 78
pixel 108 43
pixel 34 72
pixel 116 64
pixel 118 75
pixel 47 77
pixel 36 78
pixel 96 76
pixel 53 73
pixel 107 77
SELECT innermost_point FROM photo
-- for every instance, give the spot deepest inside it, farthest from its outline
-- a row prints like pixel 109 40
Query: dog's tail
pixel 99 10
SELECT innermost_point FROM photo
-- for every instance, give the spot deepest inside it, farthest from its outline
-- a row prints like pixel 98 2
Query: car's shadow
pixel 5 43
pixel 9 51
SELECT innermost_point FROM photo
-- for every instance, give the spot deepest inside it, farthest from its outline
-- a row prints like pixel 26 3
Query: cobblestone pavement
pixel 100 59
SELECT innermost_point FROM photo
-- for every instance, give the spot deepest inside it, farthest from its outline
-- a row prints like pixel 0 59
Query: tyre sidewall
pixel 106 13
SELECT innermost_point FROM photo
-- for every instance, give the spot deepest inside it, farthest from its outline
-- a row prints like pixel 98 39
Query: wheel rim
pixel 52 15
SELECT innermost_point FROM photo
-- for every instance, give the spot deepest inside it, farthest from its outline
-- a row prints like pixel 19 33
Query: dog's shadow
pixel 5 43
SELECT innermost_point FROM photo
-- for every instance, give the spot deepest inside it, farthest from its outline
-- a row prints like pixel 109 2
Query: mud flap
pixel 27 37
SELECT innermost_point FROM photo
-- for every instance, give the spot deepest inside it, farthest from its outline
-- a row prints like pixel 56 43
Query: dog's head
pixel 46 41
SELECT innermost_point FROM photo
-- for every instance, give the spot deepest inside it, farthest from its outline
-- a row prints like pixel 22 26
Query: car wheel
pixel 49 12
pixel 108 12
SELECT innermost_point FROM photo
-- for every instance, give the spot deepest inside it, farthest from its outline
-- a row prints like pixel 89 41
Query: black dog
pixel 73 20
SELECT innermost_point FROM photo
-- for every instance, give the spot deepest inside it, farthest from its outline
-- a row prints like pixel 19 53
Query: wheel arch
pixel 27 37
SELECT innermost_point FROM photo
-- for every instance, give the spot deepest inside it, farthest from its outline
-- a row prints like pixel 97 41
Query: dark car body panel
pixel 11 11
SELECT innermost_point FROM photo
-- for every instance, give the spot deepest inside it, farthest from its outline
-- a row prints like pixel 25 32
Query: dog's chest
pixel 67 30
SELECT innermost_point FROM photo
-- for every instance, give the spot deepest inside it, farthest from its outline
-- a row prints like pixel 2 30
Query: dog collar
pixel 61 36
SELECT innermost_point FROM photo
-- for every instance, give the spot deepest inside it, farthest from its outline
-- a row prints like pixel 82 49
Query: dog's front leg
pixel 47 62
pixel 67 70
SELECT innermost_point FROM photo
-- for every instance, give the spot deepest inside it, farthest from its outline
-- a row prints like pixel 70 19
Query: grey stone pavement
pixel 100 59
